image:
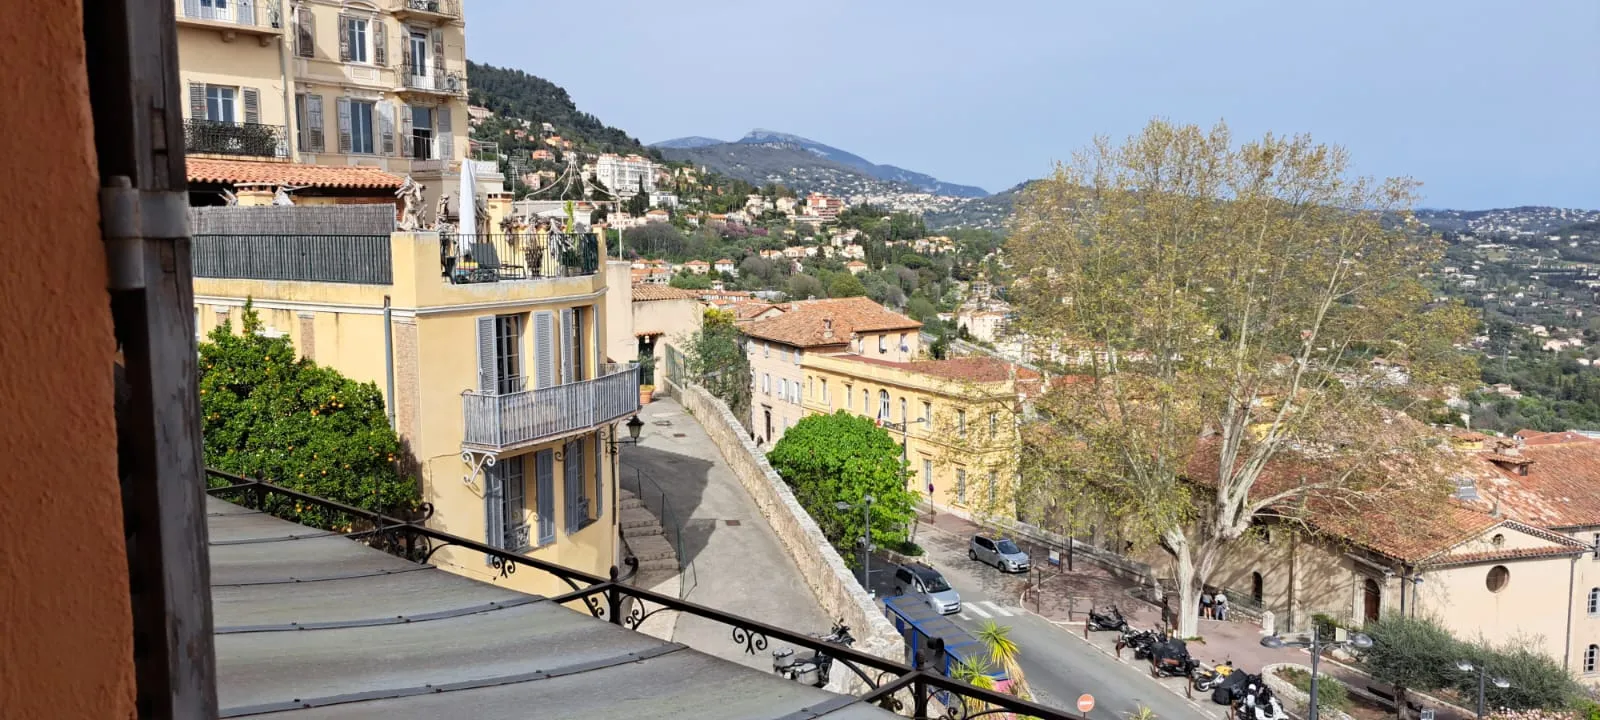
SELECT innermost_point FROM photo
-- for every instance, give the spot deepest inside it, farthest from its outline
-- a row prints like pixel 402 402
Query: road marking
pixel 963 615
pixel 974 607
pixel 1002 612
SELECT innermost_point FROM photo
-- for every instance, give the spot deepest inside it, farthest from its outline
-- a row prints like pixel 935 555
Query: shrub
pixel 1331 694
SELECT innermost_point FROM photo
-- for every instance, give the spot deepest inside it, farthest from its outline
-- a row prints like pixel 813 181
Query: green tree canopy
pixel 717 361
pixel 844 457
pixel 271 415
pixel 1418 654
pixel 691 281
pixel 844 285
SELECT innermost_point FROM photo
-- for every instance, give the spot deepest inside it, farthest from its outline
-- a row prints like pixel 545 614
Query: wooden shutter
pixel 488 379
pixel 197 101
pixel 567 322
pixel 447 143
pixel 544 348
pixel 599 481
pixel 380 42
pixel 405 53
pixel 252 105
pixel 314 120
pixel 344 38
pixel 572 482
pixel 438 56
pixel 386 127
pixel 494 508
pixel 406 130
pixel 305 37
pixel 545 473
pixel 344 125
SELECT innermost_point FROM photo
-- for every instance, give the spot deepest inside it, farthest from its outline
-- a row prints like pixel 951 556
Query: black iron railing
pixel 363 259
pixel 484 258
pixel 234 138
pixel 249 13
pixel 437 7
pixel 892 685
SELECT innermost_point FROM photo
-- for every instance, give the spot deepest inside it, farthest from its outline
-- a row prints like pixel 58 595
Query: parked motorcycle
pixel 1110 620
pixel 1142 641
pixel 1209 680
pixel 1257 702
pixel 812 670
pixel 1171 659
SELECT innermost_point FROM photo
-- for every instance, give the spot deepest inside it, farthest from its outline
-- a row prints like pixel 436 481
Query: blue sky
pixel 1489 104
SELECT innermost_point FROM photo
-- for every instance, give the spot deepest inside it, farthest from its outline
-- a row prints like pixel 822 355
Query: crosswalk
pixel 986 609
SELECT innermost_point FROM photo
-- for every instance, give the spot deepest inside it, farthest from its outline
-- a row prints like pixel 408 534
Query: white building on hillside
pixel 625 174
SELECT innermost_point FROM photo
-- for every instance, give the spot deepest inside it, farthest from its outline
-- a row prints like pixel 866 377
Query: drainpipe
pixel 1572 580
pixel 388 357
pixel 290 138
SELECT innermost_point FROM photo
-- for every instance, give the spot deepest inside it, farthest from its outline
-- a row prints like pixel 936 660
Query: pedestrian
pixel 1205 604
pixel 1166 612
pixel 1220 605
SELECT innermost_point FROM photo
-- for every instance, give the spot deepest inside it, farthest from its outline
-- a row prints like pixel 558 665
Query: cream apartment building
pixel 777 343
pixel 500 388
pixel 379 84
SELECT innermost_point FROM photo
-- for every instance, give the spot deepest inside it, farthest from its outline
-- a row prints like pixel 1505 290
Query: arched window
pixel 903 418
pixel 1257 587
pixel 1594 601
pixel 1371 599
pixel 883 404
pixel 1590 656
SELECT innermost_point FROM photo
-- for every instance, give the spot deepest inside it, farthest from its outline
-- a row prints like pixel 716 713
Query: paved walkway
pixel 732 559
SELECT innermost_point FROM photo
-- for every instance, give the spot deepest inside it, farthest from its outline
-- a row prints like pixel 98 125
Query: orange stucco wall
pixel 66 638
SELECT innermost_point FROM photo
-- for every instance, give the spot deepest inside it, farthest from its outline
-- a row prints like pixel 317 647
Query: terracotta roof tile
pixel 975 369
pixel 1519 554
pixel 1560 490
pixel 648 293
pixel 1535 437
pixel 235 172
pixel 804 324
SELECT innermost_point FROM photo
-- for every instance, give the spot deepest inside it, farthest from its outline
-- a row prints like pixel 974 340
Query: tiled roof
pixel 975 369
pixel 235 172
pixel 802 324
pixel 647 293
pixel 1535 437
pixel 1561 489
pixel 1574 548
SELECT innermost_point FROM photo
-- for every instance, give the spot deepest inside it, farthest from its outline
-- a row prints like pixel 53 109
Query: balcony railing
pixel 247 13
pixel 487 258
pixel 361 259
pixel 439 8
pixel 235 138
pixel 504 421
pixel 432 80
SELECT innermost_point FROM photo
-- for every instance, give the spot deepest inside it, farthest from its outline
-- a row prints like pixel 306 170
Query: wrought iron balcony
pixel 502 421
pixel 253 17
pixel 434 80
pixel 235 138
pixel 428 10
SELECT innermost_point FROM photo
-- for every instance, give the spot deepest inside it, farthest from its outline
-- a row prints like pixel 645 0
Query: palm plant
pixel 1003 652
pixel 972 674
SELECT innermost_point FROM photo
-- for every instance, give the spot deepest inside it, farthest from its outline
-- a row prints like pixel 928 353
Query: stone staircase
pixel 658 560
pixel 642 531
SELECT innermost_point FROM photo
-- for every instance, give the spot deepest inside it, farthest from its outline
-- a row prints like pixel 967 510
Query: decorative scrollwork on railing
pixel 637 616
pixel 506 567
pixel 423 514
pixel 595 608
pixel 754 642
pixel 892 701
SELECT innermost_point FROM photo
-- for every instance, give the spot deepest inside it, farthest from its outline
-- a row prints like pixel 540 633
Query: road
pixel 1058 663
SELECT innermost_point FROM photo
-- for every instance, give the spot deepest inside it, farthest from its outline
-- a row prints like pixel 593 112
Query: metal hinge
pixel 127 217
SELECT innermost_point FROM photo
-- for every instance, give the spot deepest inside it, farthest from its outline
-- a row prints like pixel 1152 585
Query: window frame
pixel 884 409
pixel 1591 656
pixel 358 36
pixel 883 344
pixel 369 133
pixel 508 353
pixel 513 506
pixel 231 103
pixel 961 486
pixel 1594 602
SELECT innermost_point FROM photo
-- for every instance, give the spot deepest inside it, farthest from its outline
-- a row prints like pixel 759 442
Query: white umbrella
pixel 467 202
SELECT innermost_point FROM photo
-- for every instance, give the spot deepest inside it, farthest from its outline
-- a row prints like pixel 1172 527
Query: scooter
pixel 812 670
pixel 1256 702
pixel 1208 680
pixel 1142 642
pixel 1171 659
pixel 1110 620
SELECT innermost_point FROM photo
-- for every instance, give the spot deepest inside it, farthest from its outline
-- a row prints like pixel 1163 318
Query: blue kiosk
pixel 918 623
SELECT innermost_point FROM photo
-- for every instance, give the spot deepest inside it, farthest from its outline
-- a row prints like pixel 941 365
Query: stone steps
pixel 648 548
pixel 627 500
pixel 638 521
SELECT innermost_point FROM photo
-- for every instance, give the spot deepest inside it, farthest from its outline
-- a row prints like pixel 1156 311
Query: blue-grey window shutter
pixel 487 378
pixel 599 481
pixel 544 351
pixel 545 473
pixel 572 488
pixel 566 353
pixel 493 511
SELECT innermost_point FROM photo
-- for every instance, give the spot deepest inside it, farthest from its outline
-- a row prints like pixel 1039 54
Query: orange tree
pixel 271 415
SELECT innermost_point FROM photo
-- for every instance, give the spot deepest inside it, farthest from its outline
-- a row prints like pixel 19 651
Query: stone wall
pixel 824 570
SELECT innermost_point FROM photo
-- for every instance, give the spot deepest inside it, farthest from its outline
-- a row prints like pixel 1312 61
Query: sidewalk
pixel 1064 598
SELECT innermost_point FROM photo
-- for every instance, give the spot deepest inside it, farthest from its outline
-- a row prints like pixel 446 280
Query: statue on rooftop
pixel 410 197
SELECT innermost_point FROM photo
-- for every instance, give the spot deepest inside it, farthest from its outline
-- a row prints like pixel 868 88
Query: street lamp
pixel 1483 679
pixel 865 539
pixel 1357 640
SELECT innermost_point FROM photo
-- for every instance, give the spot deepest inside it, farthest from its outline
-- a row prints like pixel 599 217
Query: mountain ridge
pixel 774 139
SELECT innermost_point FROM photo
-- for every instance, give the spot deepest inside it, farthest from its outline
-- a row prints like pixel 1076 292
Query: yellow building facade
pixel 957 420
pixel 499 387
pixel 378 84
